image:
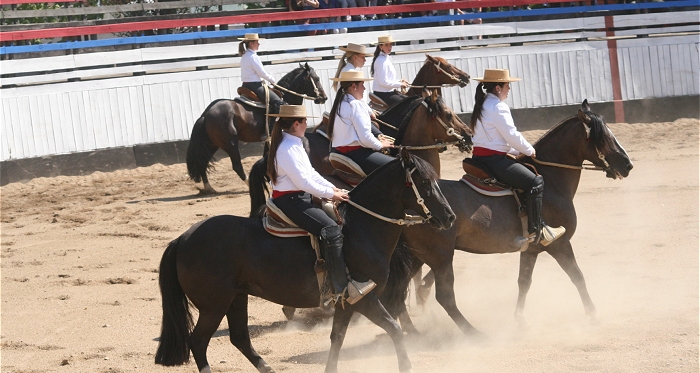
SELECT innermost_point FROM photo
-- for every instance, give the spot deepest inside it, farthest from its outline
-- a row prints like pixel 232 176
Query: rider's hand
pixel 386 143
pixel 340 195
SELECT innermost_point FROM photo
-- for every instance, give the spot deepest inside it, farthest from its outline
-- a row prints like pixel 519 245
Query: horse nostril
pixel 630 167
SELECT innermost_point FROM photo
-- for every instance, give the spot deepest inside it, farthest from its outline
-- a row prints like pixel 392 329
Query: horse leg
pixel 423 290
pixel 288 312
pixel 231 148
pixel 375 312
pixel 445 295
pixel 237 316
pixel 406 322
pixel 208 189
pixel 341 320
pixel 564 255
pixel 207 323
pixel 527 265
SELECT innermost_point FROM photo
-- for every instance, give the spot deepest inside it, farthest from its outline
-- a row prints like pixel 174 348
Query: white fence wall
pixel 89 115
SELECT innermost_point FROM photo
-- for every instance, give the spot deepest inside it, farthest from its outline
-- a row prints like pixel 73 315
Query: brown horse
pixel 488 225
pixel 217 263
pixel 226 122
pixel 423 125
pixel 437 72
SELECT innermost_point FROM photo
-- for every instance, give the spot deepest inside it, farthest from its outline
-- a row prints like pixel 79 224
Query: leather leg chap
pixel 534 207
pixel 332 243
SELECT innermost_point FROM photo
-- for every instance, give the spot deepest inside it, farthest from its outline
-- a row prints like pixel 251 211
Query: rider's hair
pixel 243 46
pixel 343 61
pixel 342 91
pixel 377 51
pixel 481 90
pixel 282 124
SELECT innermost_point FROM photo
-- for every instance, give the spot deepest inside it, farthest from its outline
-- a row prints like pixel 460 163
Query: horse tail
pixel 173 344
pixel 400 272
pixel 258 185
pixel 199 152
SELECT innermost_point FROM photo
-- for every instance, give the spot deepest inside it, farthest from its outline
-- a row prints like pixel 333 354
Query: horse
pixel 217 263
pixel 226 122
pixel 422 124
pixel 443 74
pixel 488 225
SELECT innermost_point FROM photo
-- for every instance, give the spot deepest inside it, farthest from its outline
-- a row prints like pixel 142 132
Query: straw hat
pixel 352 76
pixel 497 76
pixel 251 37
pixel 384 39
pixel 355 48
pixel 292 111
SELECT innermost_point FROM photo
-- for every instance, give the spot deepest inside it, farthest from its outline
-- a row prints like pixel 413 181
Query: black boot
pixel 540 233
pixel 332 244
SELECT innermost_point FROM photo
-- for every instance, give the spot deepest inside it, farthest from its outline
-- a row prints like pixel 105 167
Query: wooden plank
pixel 13 2
pixel 27 65
pixel 91 135
pixel 665 18
pixel 56 124
pixel 19 142
pixel 66 123
pixel 173 95
pixel 148 111
pixel 655 71
pixel 6 136
pixel 119 100
pixel 693 51
pixel 99 114
pixel 38 119
pixel 27 128
pixel 79 124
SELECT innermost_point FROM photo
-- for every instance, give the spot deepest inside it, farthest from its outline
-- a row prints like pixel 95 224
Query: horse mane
pixel 290 77
pixel 436 109
pixel 599 136
pixel 401 110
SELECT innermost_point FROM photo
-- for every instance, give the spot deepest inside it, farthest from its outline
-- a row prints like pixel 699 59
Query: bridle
pixel 439 68
pixel 408 220
pixel 313 84
pixel 450 131
pixel 601 156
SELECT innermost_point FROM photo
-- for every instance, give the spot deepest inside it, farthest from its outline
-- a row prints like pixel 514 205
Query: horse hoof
pixel 522 323
pixel 422 294
pixel 288 312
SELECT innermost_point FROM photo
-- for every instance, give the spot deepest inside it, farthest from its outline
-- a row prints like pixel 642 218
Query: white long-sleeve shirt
pixel 384 75
pixel 294 170
pixel 252 69
pixel 348 67
pixel 353 125
pixel 496 130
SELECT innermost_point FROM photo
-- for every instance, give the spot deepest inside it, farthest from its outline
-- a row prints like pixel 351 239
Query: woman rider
pixel 294 181
pixel 350 125
pixel 354 58
pixel 252 71
pixel 495 137
pixel 384 73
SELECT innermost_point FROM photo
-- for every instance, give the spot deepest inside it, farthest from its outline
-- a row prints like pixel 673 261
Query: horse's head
pixel 312 84
pixel 602 148
pixel 445 125
pixel 446 73
pixel 422 193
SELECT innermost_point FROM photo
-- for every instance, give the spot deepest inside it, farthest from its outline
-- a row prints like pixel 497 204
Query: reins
pixel 408 219
pixel 300 94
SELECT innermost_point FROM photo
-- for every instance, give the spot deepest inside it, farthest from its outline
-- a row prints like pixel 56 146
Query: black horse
pixel 226 122
pixel 218 262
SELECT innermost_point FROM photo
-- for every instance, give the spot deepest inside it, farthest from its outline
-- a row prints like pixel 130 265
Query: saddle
pixel 483 181
pixel 278 224
pixel 346 169
pixel 248 97
pixel 377 103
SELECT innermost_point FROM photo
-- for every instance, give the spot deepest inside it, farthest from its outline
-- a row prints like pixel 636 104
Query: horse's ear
pixel 426 92
pixel 306 66
pixel 405 155
pixel 583 117
pixel 300 65
pixel 429 56
pixel 434 95
pixel 584 105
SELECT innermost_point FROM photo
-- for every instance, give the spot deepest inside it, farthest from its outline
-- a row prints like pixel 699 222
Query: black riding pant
pixel 390 97
pixel 368 159
pixel 275 101
pixel 298 208
pixel 510 171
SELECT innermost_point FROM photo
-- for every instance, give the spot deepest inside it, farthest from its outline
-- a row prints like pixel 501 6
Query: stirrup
pixel 357 290
pixel 550 234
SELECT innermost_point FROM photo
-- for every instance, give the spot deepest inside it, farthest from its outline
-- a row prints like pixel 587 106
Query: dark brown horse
pixel 220 261
pixel 488 225
pixel 422 124
pixel 226 122
pixel 437 72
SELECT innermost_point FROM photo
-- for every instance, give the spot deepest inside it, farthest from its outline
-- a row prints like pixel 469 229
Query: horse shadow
pixel 199 195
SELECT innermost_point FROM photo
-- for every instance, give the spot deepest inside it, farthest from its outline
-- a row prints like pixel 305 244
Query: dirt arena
pixel 80 290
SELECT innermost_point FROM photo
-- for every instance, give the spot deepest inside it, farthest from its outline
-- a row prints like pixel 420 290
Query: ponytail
pixel 242 47
pixel 376 54
pixel 341 64
pixel 479 97
pixel 342 91
pixel 275 141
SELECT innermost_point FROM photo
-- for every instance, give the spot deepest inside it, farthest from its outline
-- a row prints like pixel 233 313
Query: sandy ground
pixel 80 294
